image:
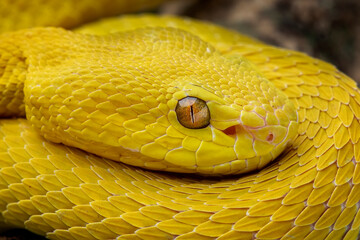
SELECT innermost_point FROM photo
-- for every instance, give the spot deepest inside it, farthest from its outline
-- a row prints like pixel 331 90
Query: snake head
pixel 232 128
pixel 158 98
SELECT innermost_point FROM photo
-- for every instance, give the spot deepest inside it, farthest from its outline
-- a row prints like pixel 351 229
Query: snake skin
pixel 311 191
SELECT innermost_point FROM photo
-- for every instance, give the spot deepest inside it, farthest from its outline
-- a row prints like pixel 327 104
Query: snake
pixel 164 127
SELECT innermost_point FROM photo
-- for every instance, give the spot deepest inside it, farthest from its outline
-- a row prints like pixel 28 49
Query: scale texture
pixel 71 83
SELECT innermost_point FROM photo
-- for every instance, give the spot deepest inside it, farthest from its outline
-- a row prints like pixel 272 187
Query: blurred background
pixel 325 29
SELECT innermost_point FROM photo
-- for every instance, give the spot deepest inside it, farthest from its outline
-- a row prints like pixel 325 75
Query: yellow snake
pixel 177 95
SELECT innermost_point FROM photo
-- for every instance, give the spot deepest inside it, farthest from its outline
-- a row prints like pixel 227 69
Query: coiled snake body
pixel 117 95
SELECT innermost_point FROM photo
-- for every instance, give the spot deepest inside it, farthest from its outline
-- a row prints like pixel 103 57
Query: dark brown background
pixel 326 29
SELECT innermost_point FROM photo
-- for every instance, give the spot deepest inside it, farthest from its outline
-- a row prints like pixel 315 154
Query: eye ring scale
pixel 193 113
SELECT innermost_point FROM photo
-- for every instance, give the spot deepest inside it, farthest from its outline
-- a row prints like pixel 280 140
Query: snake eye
pixel 193 113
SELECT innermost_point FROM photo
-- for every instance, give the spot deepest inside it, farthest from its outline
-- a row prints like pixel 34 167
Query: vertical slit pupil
pixel 192 114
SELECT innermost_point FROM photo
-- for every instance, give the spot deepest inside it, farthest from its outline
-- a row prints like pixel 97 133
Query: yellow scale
pixel 290 119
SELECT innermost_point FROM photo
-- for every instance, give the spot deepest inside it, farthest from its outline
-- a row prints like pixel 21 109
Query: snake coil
pixel 112 99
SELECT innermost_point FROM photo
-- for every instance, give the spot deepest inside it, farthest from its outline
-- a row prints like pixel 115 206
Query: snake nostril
pixel 270 137
pixel 230 130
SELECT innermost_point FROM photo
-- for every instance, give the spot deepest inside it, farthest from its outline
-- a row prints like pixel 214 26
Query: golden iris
pixel 193 113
